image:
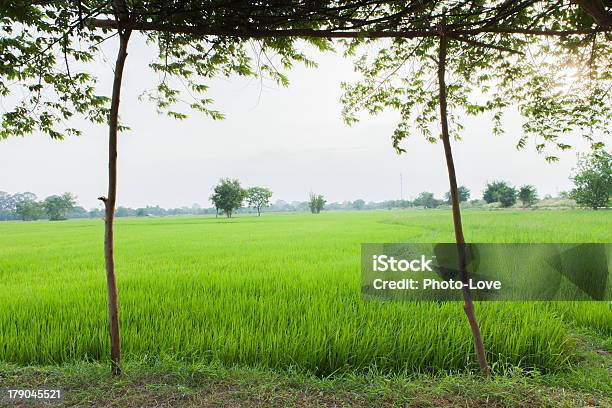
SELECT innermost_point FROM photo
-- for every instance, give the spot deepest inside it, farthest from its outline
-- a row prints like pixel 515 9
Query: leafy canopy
pixel 45 46
pixel 42 90
pixel 559 85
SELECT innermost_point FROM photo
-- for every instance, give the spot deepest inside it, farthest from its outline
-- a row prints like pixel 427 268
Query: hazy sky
pixel 290 139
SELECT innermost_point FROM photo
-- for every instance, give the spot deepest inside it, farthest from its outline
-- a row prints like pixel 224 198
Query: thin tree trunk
pixel 109 206
pixel 460 240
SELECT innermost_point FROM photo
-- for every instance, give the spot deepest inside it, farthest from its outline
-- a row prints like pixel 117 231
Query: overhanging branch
pixel 596 9
pixel 324 33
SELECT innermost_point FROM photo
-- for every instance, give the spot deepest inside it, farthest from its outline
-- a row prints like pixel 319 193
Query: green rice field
pixel 278 291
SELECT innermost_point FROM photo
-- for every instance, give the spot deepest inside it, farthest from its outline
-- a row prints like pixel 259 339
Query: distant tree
pixel 29 210
pixel 123 212
pixel 141 212
pixel 27 196
pixel 359 204
pixel 77 212
pixel 228 196
pixel 8 203
pixel 464 194
pixel 312 199
pixel 258 198
pixel 316 203
pixel 96 213
pixel 298 206
pixel 404 203
pixel 507 197
pixel 528 195
pixel 501 192
pixel 5 201
pixel 196 208
pixel 320 204
pixel 427 200
pixel 491 193
pixel 57 206
pixel 157 210
pixel 6 206
pixel 593 180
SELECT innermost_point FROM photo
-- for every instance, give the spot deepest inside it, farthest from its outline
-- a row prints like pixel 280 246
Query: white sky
pixel 290 139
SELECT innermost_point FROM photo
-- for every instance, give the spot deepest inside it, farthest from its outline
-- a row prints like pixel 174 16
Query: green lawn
pixel 276 291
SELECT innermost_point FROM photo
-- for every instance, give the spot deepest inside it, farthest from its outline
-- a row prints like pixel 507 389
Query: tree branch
pixel 326 33
pixel 596 9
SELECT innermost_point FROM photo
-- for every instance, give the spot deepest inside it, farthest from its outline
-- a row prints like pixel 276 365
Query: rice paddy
pixel 279 291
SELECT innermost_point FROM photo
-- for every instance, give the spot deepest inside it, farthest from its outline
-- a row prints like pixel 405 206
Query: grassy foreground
pixel 278 291
pixel 171 383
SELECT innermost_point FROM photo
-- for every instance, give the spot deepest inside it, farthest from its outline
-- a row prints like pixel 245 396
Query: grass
pixel 276 292
pixel 172 383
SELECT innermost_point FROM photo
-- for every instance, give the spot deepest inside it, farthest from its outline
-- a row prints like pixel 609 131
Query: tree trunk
pixel 460 240
pixel 109 206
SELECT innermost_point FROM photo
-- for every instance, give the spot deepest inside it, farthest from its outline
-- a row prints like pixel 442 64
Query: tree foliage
pixel 45 46
pixel 30 210
pixel 9 203
pixel 559 85
pixel 427 200
pixel 528 195
pixel 500 192
pixel 316 203
pixel 57 206
pixel 359 204
pixel 228 196
pixel 464 194
pixel 258 197
pixel 42 88
pixel 593 180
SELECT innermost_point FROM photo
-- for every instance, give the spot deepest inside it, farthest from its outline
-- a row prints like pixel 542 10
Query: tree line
pixel 27 207
pixel 592 180
pixel 592 189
